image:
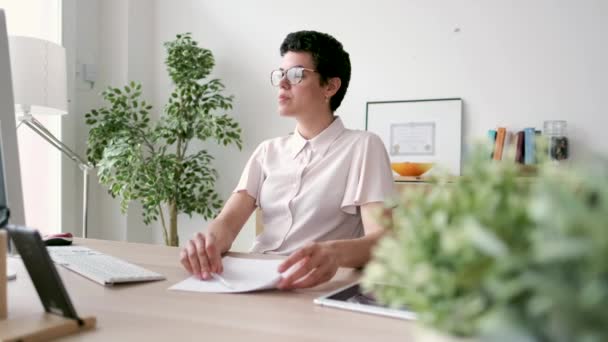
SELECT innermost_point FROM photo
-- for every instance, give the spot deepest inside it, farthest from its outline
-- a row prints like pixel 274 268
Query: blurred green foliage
pixel 499 257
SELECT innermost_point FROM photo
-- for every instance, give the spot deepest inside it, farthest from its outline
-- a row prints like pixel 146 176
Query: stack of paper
pixel 240 275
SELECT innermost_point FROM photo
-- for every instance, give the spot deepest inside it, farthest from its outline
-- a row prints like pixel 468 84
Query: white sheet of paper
pixel 244 275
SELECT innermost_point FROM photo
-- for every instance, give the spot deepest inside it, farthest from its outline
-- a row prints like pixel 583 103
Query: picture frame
pixel 420 131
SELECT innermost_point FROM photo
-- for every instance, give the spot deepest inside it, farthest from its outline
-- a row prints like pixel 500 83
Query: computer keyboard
pixel 101 268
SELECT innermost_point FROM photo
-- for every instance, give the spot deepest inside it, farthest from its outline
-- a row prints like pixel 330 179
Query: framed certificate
pixel 423 131
pixel 412 138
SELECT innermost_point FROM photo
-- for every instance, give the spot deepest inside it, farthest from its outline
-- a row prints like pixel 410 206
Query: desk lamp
pixel 40 88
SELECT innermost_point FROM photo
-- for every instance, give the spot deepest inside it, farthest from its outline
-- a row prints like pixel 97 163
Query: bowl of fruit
pixel 411 169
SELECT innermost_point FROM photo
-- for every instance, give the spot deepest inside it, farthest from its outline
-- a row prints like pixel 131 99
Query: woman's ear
pixel 333 85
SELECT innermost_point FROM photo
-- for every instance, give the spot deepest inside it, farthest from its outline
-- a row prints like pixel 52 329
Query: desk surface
pixel 149 311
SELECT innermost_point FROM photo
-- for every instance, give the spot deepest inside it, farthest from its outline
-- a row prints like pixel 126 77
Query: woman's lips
pixel 283 98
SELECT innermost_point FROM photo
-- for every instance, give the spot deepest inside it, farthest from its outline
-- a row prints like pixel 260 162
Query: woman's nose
pixel 284 84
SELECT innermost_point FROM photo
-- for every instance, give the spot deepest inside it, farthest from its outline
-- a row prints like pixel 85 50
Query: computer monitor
pixel 4 211
pixel 11 192
pixel 10 172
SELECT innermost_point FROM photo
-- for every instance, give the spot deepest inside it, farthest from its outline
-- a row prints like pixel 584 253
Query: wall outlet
pixel 89 73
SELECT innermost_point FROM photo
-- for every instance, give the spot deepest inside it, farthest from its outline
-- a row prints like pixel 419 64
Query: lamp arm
pixel 84 166
pixel 37 127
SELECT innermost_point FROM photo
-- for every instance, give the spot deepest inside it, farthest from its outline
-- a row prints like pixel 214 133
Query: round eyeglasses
pixel 294 75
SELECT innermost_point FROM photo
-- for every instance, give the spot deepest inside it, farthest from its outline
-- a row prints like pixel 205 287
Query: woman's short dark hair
pixel 328 55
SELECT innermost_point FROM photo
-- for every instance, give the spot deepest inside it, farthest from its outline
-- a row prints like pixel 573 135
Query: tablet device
pixel 353 298
pixel 41 269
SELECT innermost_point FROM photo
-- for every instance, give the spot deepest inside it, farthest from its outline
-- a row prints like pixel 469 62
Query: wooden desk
pixel 148 311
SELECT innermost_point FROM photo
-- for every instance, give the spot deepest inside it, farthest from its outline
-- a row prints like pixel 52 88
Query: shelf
pixel 410 179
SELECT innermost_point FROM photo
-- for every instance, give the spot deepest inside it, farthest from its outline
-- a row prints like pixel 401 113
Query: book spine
pixel 529 146
pixel 519 147
pixel 492 139
pixel 501 135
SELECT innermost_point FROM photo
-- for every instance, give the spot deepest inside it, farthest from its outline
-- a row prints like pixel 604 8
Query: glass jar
pixel 557 138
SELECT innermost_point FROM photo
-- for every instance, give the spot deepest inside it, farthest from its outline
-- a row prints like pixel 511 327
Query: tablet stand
pixel 34 327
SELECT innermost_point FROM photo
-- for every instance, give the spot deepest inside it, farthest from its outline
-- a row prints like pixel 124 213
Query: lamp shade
pixel 39 76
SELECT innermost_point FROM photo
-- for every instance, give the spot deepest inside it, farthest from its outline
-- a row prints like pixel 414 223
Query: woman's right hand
pixel 202 256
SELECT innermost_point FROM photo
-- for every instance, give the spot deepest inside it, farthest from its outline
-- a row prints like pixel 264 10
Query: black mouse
pixel 62 239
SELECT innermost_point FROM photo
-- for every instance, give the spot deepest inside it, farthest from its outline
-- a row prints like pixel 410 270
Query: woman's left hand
pixel 317 264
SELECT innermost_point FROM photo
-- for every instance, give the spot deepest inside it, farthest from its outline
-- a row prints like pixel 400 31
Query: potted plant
pixel 154 162
pixel 493 257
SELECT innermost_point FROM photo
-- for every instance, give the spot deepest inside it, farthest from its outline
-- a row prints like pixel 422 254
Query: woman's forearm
pixel 224 234
pixel 227 225
pixel 354 252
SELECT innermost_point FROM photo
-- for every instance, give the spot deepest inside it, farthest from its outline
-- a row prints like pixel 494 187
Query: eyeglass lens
pixel 294 75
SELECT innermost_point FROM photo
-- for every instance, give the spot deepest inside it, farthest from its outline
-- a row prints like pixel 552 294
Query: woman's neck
pixel 311 127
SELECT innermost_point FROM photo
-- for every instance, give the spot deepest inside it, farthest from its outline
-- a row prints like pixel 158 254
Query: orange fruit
pixel 411 169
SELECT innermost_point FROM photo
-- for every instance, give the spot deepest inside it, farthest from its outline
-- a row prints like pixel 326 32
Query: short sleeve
pixel 253 175
pixel 370 178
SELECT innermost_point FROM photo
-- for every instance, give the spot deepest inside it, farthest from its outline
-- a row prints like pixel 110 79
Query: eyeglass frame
pixel 284 75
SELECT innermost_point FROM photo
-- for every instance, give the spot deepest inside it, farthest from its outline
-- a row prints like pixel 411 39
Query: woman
pixel 318 188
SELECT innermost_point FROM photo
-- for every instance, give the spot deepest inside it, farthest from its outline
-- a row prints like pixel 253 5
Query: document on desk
pixel 240 275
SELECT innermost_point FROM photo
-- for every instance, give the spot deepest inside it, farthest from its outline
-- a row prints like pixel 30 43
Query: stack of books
pixel 525 144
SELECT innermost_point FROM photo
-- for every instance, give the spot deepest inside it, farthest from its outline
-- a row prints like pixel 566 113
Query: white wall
pixel 514 63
